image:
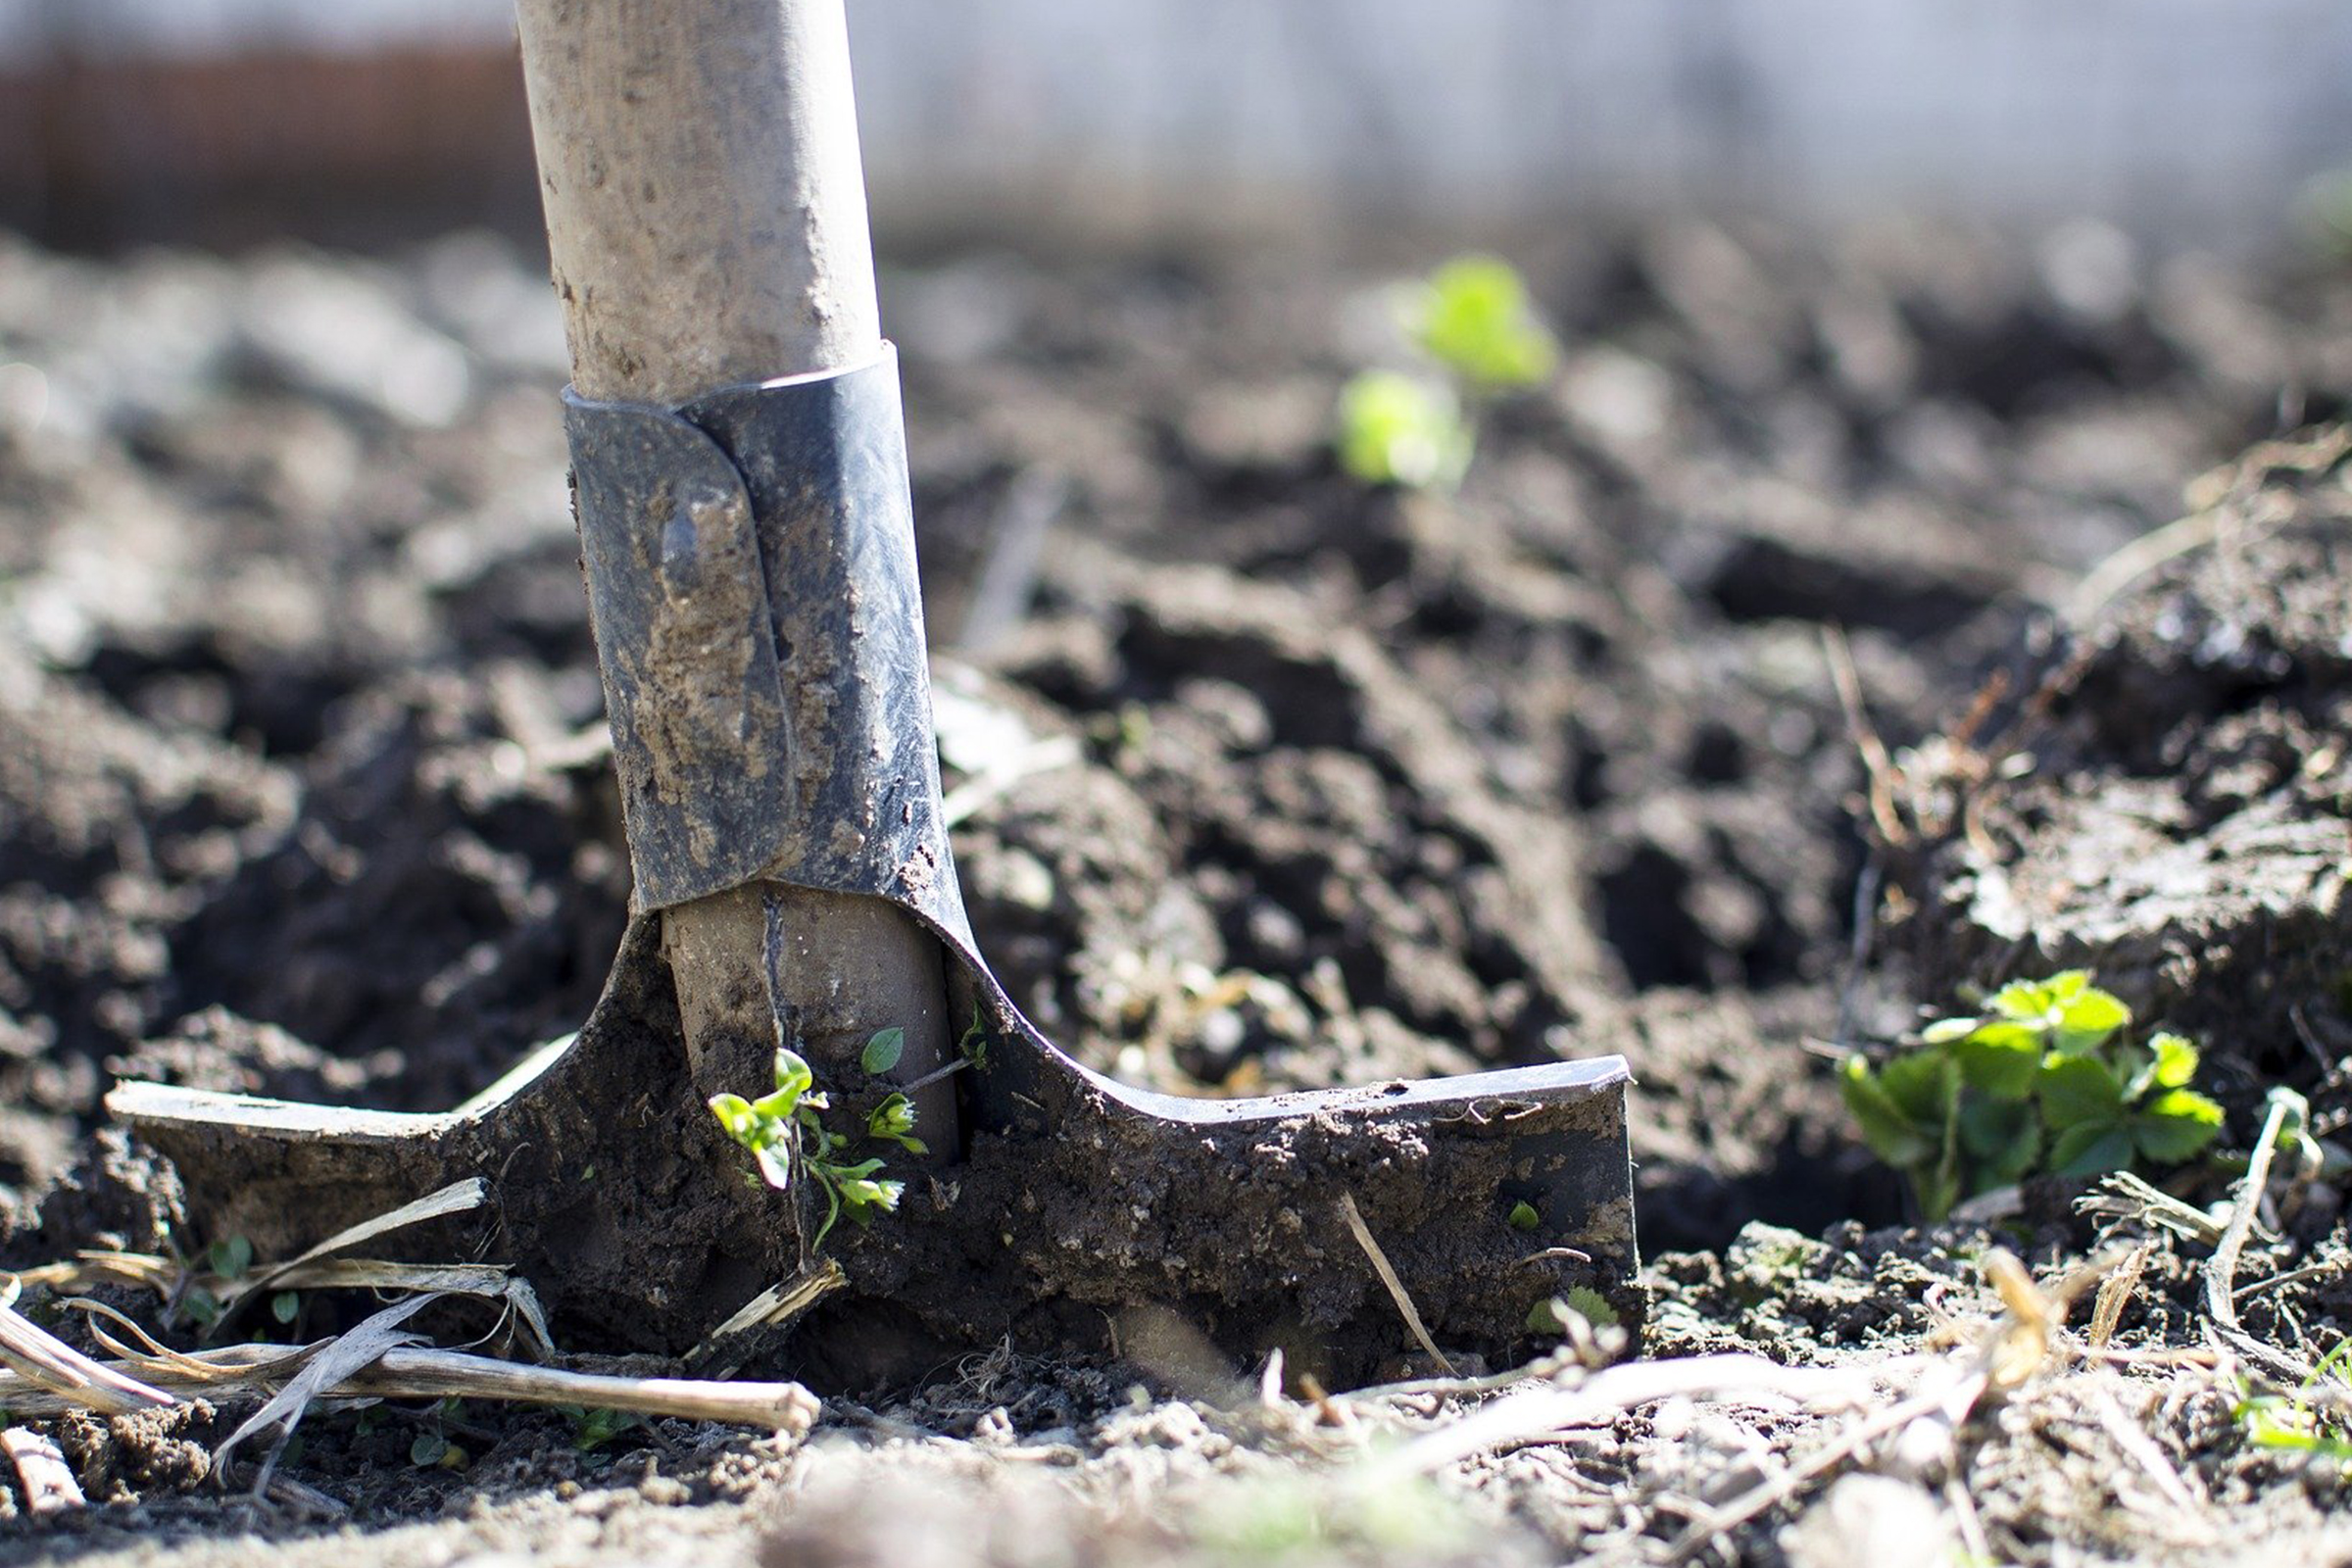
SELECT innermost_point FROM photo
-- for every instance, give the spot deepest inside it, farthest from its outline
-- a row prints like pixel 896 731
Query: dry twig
pixel 42 1473
pixel 43 1360
pixel 2220 1270
pixel 1387 1277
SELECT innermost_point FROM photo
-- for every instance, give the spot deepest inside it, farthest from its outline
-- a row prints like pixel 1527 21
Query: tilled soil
pixel 302 793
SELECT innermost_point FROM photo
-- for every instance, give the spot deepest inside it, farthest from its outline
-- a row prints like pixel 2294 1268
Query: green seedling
pixel 2297 1424
pixel 591 1429
pixel 1551 1315
pixel 785 1132
pixel 1477 329
pixel 972 1049
pixel 229 1258
pixel 1474 318
pixel 1400 430
pixel 432 1449
pixel 2046 1079
pixel 1523 1217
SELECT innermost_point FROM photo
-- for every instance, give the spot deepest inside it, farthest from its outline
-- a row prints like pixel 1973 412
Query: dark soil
pixel 2168 795
pixel 302 790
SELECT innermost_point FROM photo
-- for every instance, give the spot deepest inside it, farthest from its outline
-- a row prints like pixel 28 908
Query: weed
pixel 2047 1080
pixel 1473 323
pixel 785 1129
pixel 2296 1424
pixel 591 1429
pixel 431 1449
pixel 1551 1315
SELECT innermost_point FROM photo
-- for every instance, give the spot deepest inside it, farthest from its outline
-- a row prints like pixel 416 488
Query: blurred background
pixel 363 120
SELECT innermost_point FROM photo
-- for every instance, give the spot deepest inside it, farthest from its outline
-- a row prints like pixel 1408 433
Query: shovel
pixel 739 477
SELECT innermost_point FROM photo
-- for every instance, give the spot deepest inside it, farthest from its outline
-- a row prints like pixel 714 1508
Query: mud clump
pixel 2169 798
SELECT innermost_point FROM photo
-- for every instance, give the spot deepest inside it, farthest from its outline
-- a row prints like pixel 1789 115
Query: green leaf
pixel 1523 1217
pixel 284 1306
pixel 2000 1057
pixel 894 1118
pixel 2176 1060
pixel 1394 429
pixel 2016 1160
pixel 773 1109
pixel 861 1196
pixel 2087 1019
pixel 1889 1129
pixel 1943 1031
pixel 2024 1000
pixel 794 1075
pixel 2176 1125
pixel 231 1257
pixel 593 1429
pixel 882 1051
pixel 1475 318
pixel 832 1206
pixel 1926 1085
pixel 1594 1306
pixel 2066 985
pixel 735 1114
pixel 2091 1149
pixel 1990 1130
pixel 2074 1090
pixel 429 1450
pixel 974 1047
pixel 775 1165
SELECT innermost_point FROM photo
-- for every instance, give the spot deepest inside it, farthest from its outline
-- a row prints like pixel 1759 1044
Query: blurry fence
pixel 2193 118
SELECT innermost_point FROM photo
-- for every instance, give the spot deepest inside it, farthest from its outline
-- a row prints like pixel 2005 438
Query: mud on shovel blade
pixel 750 570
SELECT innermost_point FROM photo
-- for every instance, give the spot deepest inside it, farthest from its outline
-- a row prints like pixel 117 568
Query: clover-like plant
pixel 2046 1079
pixel 784 1133
pixel 1473 323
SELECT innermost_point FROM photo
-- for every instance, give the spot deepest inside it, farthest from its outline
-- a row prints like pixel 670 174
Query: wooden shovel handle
pixel 705 205
pixel 706 217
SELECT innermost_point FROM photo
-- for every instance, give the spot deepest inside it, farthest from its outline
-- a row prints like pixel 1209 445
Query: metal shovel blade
pixel 1074 1197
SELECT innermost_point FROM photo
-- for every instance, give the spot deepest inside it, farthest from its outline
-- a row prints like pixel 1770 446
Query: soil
pixel 303 792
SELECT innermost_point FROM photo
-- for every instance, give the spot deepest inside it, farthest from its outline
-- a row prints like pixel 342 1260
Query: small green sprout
pixel 974 1047
pixel 785 1128
pixel 1474 318
pixel 2298 1425
pixel 285 1305
pixel 1523 1217
pixel 1552 1314
pixel 591 1429
pixel 2046 1079
pixel 1400 429
pixel 1473 323
pixel 892 1123
pixel 432 1449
